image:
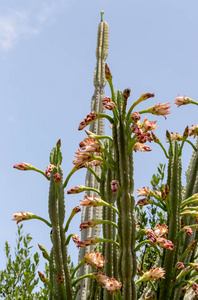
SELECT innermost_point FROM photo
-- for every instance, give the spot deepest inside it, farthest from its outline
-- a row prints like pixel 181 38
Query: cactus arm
pixel 174 180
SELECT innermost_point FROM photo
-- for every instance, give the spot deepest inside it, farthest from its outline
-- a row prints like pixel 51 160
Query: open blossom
pixel 148 125
pixel 147 192
pixel 91 201
pixel 49 170
pixel 109 283
pixel 92 116
pixel 152 274
pixel 143 202
pixel 82 157
pixel 193 131
pixel 141 147
pixel 181 100
pixel 95 163
pixel 164 243
pixel 176 137
pixel 23 166
pixel 76 189
pixel 22 216
pixel 160 109
pixel 161 231
pixel 95 259
pixel 112 285
pixel 90 145
pixel 88 224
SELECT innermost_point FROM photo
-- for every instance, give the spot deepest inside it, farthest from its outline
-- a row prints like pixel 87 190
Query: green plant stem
pixel 104 162
pixel 69 175
pixel 68 239
pixel 94 173
pixel 40 171
pixel 107 241
pixel 82 277
pixel 104 203
pixel 42 219
pixel 109 118
pixel 78 266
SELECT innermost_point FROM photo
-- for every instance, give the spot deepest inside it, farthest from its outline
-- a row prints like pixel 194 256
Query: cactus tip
pixel 102 12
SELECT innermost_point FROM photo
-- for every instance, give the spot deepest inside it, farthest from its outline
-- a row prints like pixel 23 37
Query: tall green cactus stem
pixel 96 127
pixel 110 251
pixel 56 207
pixel 174 183
pixel 125 202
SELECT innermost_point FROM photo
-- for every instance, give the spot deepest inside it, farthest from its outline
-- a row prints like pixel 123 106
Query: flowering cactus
pixel 111 273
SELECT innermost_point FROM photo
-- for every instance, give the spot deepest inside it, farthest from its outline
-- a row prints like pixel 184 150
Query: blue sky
pixel 47 59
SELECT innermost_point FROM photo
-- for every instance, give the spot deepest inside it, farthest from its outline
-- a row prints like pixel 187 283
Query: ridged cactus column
pixel 96 127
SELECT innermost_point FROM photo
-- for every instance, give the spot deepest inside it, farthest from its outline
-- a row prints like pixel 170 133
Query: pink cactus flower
pixel 180 265
pixel 95 259
pixel 161 231
pixel 88 224
pixel 160 109
pixel 82 157
pixel 87 242
pixel 108 103
pixel 143 202
pixel 23 166
pixel 164 243
pixel 75 238
pixel 176 137
pixel 114 186
pixel 141 147
pixel 92 116
pixel 100 277
pixel 147 192
pixel 95 163
pixel 152 274
pixel 194 286
pixel 76 189
pixel 148 125
pixel 181 100
pixel 193 131
pixel 90 145
pixel 188 230
pixel 112 285
pixel 151 235
pixel 22 216
pixel 135 116
pixel 49 170
pixel 57 177
pixel 91 201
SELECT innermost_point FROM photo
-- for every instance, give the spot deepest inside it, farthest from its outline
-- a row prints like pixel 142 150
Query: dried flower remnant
pixel 42 277
pixel 95 259
pixel 92 116
pixel 194 286
pixel 135 116
pixel 22 216
pixel 88 224
pixel 181 100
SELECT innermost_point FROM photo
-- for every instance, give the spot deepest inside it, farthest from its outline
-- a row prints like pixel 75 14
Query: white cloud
pixel 25 23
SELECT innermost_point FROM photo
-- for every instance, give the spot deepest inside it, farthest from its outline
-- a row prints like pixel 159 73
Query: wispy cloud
pixel 25 23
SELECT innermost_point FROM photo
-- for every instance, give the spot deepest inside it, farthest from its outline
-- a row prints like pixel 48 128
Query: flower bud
pixel 57 177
